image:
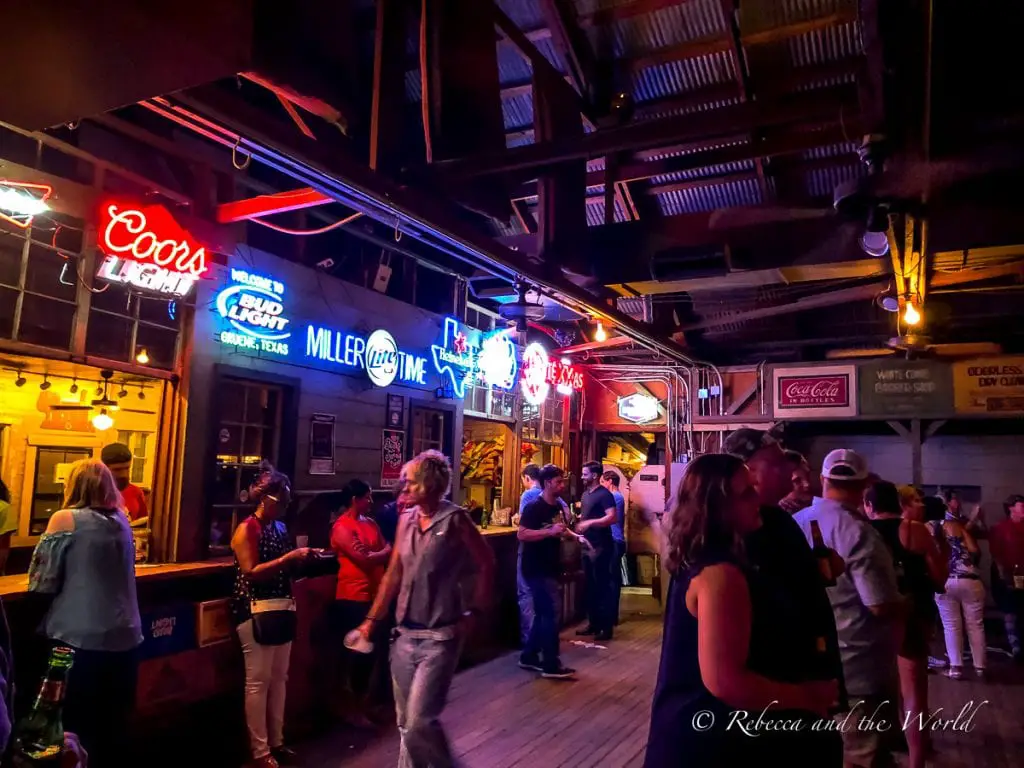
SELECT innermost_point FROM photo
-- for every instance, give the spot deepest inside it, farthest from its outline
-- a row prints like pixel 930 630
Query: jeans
pixel 266 682
pixel 525 602
pixel 99 701
pixel 616 566
pixel 968 595
pixel 422 668
pixel 543 640
pixel 1011 603
pixel 597 568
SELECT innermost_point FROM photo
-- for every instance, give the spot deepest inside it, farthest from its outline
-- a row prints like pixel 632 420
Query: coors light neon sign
pixel 149 234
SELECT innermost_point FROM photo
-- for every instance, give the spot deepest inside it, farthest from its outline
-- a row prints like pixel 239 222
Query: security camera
pixel 325 263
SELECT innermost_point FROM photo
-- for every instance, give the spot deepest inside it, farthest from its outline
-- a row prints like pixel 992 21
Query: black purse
pixel 274 621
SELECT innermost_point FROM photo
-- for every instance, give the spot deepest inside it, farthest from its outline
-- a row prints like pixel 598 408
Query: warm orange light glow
pixel 143 357
pixel 600 334
pixel 911 316
pixel 21 201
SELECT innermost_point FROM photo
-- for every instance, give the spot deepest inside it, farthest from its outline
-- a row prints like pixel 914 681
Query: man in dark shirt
pixel 598 516
pixel 540 532
pixel 788 577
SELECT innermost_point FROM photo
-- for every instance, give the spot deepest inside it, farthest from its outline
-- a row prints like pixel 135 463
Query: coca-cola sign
pixel 822 391
pixel 815 392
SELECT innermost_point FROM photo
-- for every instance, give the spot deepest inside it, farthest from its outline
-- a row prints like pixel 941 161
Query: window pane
pixel 141 447
pixel 221 528
pixel 253 446
pixel 113 299
pixel 231 400
pixel 229 443
pixel 108 336
pixel 225 484
pixel 154 310
pixel 48 494
pixel 46 322
pixel 256 403
pixel 160 343
pixel 49 273
pixel 138 471
pixel 124 437
pixel 8 299
pixel 10 259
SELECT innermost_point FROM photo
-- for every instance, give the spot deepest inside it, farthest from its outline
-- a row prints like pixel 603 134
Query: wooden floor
pixel 500 716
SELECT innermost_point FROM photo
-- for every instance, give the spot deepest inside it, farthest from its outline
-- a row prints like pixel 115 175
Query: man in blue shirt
pixel 610 480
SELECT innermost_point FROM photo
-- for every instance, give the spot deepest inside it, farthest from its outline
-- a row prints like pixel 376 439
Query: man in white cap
pixel 867 606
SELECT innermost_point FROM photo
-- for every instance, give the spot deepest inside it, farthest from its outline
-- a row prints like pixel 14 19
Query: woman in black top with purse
pixel 264 613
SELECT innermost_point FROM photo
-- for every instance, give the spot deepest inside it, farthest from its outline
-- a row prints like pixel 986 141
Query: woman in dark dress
pixel 920 571
pixel 712 627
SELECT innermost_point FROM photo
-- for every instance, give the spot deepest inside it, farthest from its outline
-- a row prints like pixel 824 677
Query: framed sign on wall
pixel 815 392
pixel 321 444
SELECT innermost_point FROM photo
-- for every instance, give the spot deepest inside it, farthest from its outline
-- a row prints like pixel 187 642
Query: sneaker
pixel 559 673
pixel 603 637
pixel 956 673
pixel 284 755
pixel 980 674
pixel 586 631
pixel 531 664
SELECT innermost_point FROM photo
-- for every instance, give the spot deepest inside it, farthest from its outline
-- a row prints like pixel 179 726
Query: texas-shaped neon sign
pixel 465 354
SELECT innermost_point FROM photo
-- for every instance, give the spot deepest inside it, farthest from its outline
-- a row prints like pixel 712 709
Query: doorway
pixel 430 429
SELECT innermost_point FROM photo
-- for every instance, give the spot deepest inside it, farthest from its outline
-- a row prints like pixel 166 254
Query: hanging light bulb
pixel 911 316
pixel 46 383
pixel 143 357
pixel 600 334
pixel 102 421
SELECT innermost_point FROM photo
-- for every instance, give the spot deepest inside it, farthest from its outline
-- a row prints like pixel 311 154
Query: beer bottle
pixel 822 554
pixel 38 739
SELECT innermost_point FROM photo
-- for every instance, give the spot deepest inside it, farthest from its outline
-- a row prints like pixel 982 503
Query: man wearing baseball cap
pixel 867 605
pixel 792 582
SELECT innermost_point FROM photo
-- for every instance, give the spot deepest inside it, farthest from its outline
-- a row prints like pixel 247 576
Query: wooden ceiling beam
pixel 572 45
pixel 799 108
pixel 771 147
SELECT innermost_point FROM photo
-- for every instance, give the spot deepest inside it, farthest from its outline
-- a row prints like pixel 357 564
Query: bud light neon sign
pixel 254 308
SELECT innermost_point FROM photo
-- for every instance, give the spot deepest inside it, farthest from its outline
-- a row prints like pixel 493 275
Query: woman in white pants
pixel 264 613
pixel 963 602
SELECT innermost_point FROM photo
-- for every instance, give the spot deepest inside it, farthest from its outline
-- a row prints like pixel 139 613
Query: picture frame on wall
pixel 321 444
pixel 396 411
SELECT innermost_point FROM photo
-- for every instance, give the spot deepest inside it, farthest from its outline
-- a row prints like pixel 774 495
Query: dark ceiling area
pixel 755 179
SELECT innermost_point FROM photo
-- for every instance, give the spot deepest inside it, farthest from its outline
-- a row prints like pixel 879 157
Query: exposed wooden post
pixel 386 108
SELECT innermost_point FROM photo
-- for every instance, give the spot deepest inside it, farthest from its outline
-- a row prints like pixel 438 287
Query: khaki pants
pixel 871 731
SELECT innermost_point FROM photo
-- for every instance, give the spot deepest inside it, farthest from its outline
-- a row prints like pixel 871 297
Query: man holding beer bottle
pixel 866 602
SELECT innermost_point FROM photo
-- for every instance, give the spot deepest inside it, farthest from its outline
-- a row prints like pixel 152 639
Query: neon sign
pixel 377 354
pixel 254 307
pixel 149 233
pixel 465 354
pixel 20 202
pixel 147 277
pixel 638 408
pixel 540 373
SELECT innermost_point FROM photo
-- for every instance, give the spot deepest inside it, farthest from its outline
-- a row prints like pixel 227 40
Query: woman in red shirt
pixel 363 556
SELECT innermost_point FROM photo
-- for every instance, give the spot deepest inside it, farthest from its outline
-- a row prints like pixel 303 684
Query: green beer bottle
pixel 39 738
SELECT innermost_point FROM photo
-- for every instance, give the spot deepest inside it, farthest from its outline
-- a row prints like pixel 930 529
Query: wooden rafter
pixel 571 44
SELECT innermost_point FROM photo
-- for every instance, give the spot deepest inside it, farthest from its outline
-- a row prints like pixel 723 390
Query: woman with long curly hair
pixel 714 623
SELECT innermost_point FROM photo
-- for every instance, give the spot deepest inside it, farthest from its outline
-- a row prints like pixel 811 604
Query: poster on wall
pixel 321 444
pixel 992 386
pixel 392 457
pixel 905 388
pixel 396 410
pixel 818 392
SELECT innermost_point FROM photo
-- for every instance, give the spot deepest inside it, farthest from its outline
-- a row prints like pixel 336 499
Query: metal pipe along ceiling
pixel 631 374
pixel 465 245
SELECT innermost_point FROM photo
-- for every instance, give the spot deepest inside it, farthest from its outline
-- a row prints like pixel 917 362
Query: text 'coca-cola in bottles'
pixel 816 391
